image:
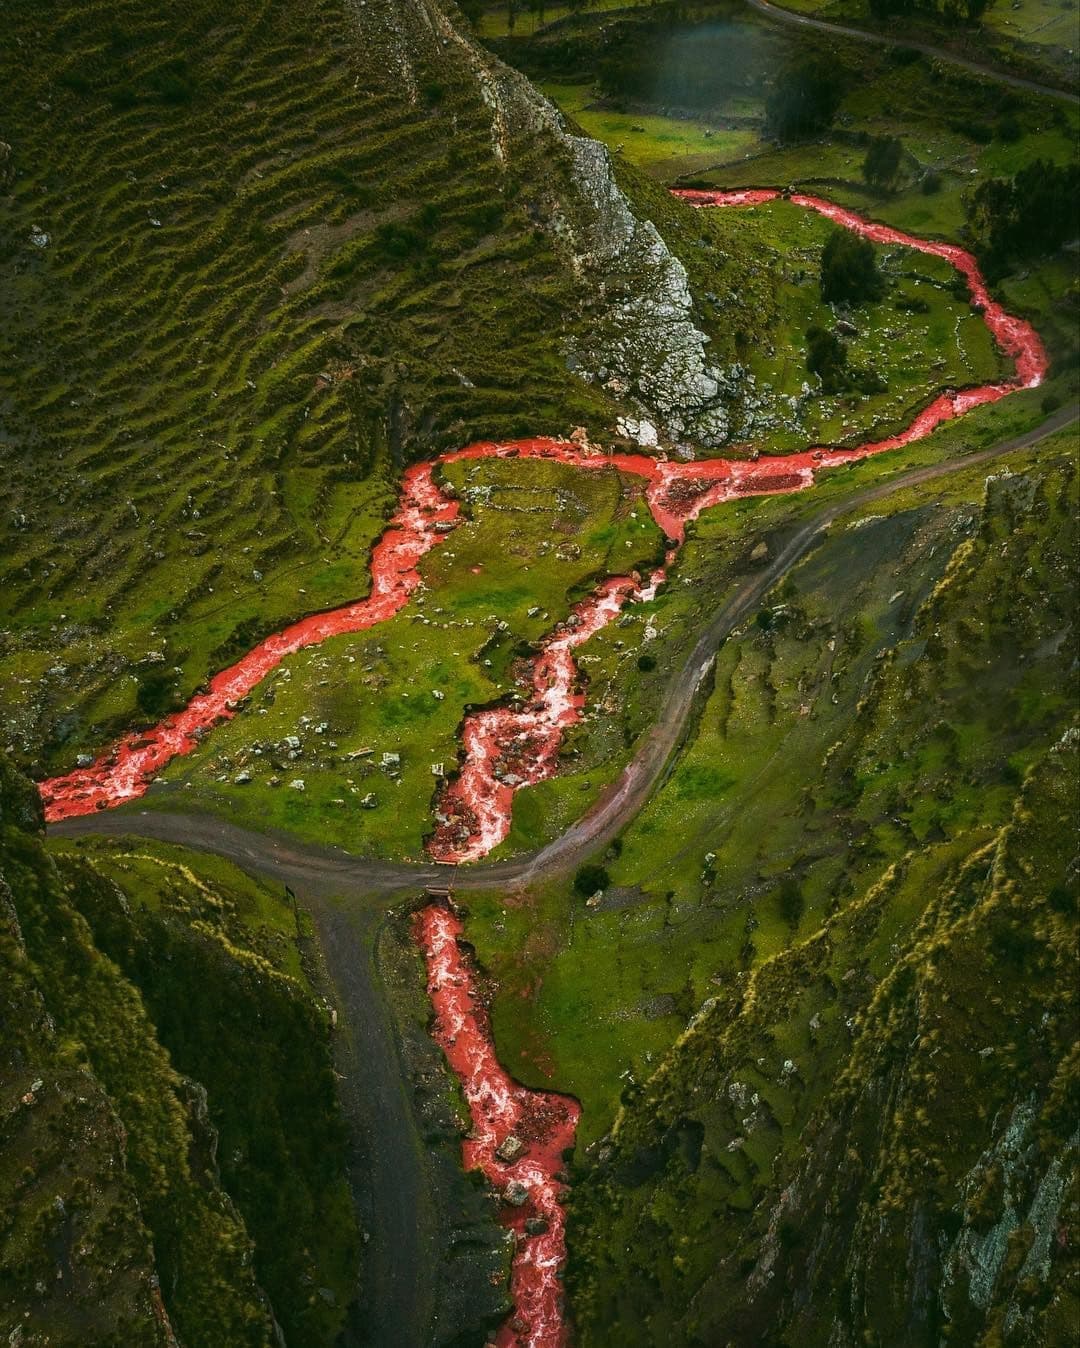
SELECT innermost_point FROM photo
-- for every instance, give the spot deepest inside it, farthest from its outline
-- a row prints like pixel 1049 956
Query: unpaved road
pixel 348 897
pixel 778 14
pixel 330 871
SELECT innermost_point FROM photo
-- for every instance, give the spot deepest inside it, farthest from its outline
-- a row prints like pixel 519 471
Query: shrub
pixel 849 270
pixel 882 162
pixel 1026 216
pixel 154 695
pixel 646 663
pixel 826 357
pixel 590 879
pixel 804 101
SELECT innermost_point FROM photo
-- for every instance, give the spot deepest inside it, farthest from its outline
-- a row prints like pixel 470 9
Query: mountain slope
pixel 118 1227
pixel 867 1132
pixel 252 263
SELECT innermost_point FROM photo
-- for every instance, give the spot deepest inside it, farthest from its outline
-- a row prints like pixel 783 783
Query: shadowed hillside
pixel 172 1159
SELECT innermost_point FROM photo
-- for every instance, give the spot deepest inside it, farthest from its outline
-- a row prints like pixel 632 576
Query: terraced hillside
pixel 253 261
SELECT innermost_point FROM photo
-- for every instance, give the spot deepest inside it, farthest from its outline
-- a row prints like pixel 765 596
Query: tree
pixel 590 879
pixel 882 162
pixel 826 357
pixel 849 270
pixel 804 101
pixel 1026 216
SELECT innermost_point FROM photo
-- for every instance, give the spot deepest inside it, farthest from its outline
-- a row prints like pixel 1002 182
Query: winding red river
pixel 541 1122
pixel 507 747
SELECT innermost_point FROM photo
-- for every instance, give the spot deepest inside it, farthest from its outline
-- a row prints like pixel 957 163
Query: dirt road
pixel 330 871
pixel 778 14
pixel 348 897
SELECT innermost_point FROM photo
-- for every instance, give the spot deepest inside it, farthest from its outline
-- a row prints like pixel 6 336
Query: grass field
pixel 661 146
pixel 539 536
pixel 817 757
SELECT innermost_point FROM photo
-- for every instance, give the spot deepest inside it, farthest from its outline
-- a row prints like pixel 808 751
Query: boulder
pixel 510 1148
pixel 516 1194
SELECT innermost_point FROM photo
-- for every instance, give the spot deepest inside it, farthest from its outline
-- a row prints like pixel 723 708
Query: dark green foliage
pixel 1025 216
pixel 97 1025
pixel 849 270
pixel 1009 129
pixel 951 11
pixel 590 879
pixel 804 101
pixel 155 692
pixel 187 1101
pixel 882 162
pixel 260 1046
pixel 790 901
pixel 646 663
pixel 826 356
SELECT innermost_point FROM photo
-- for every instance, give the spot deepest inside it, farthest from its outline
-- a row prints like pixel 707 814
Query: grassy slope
pixel 269 275
pixel 870 728
pixel 871 1138
pixel 130 1060
pixel 589 996
pixel 538 537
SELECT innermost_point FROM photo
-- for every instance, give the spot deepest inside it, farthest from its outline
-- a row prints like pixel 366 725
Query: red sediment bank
pixel 500 1108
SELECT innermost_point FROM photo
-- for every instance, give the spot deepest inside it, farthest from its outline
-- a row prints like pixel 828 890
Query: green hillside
pixel 868 747
pixel 253 262
pixel 172 1158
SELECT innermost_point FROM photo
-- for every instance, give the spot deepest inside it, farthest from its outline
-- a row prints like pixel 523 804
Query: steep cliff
pixel 172 1156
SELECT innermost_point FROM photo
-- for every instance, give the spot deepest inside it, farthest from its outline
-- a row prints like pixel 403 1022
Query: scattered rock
pixel 509 1149
pixel 516 1194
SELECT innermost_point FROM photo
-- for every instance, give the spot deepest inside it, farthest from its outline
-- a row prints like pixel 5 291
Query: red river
pixel 505 748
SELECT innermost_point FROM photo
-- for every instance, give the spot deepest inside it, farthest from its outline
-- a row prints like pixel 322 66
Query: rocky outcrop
pixel 644 346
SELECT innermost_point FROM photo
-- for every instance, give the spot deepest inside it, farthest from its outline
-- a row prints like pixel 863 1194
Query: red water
pixel 676 493
pixel 125 770
pixel 499 1108
pixel 507 747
